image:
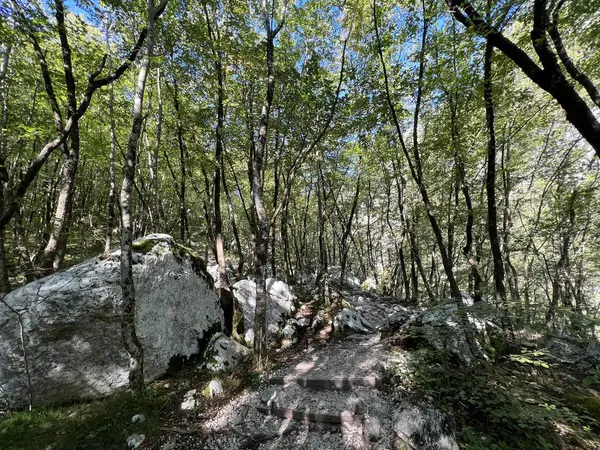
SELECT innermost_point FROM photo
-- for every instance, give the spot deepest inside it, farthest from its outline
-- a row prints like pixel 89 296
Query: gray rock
pixel 348 320
pixel 223 354
pixel 69 324
pixel 289 335
pixel 396 320
pixel 171 445
pixel 280 305
pixel 138 418
pixel 373 428
pixel 135 441
pixel 189 400
pixel 303 322
pixel 443 329
pixel 369 285
pixel 424 426
pixel 215 388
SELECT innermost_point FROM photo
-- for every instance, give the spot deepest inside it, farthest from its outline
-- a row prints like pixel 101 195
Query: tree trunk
pixel 550 78
pixel 112 190
pixel 348 229
pixel 5 52
pixel 182 165
pixel 490 183
pixel 54 252
pixel 257 164
pixel 225 293
pixel 130 339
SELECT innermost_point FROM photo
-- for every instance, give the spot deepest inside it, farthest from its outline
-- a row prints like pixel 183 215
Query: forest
pixel 426 151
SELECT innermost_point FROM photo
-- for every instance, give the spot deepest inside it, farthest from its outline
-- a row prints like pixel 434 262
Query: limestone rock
pixel 348 320
pixel 215 388
pixel 138 418
pixel 189 400
pixel 135 441
pixel 69 324
pixel 425 427
pixel 171 445
pixel 369 285
pixel 443 328
pixel 280 305
pixel 223 354
pixel 289 335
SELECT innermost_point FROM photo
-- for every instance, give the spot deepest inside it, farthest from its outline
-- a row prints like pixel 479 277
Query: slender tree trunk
pixel 225 293
pixel 348 229
pixel 158 213
pixel 322 271
pixel 54 253
pixel 257 164
pixel 182 165
pixel 233 223
pixel 491 182
pixel 417 172
pixel 128 328
pixel 5 52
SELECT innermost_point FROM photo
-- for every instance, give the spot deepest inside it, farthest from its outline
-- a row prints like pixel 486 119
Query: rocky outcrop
pixel 280 305
pixel 348 320
pixel 443 329
pixel 60 337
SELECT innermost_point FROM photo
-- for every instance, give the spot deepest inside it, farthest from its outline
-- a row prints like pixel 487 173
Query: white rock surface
pixel 348 320
pixel 215 388
pixel 60 337
pixel 189 400
pixel 280 305
pixel 138 418
pixel 135 441
pixel 369 285
pixel 223 354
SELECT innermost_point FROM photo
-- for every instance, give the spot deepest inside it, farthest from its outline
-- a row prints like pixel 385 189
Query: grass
pixel 102 425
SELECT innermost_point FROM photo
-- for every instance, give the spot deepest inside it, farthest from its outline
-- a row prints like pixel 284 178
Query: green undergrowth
pixel 103 424
pixel 527 401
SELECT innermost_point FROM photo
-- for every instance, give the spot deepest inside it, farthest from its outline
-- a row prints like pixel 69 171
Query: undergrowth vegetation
pixel 107 423
pixel 530 400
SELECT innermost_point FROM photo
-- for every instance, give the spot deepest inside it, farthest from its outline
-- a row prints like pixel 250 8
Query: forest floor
pixel 536 399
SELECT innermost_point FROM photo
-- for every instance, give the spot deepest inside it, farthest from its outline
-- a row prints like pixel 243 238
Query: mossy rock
pixel 143 246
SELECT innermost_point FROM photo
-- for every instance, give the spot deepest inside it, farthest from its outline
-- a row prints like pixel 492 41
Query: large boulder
pixel 348 320
pixel 60 337
pixel 444 329
pixel 280 305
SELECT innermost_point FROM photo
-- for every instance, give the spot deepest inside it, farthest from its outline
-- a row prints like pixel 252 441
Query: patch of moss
pixel 143 246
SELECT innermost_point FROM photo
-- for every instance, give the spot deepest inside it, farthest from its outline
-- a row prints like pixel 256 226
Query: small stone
pixel 215 388
pixel 373 428
pixel 169 446
pixel 138 418
pixel 189 400
pixel 135 441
